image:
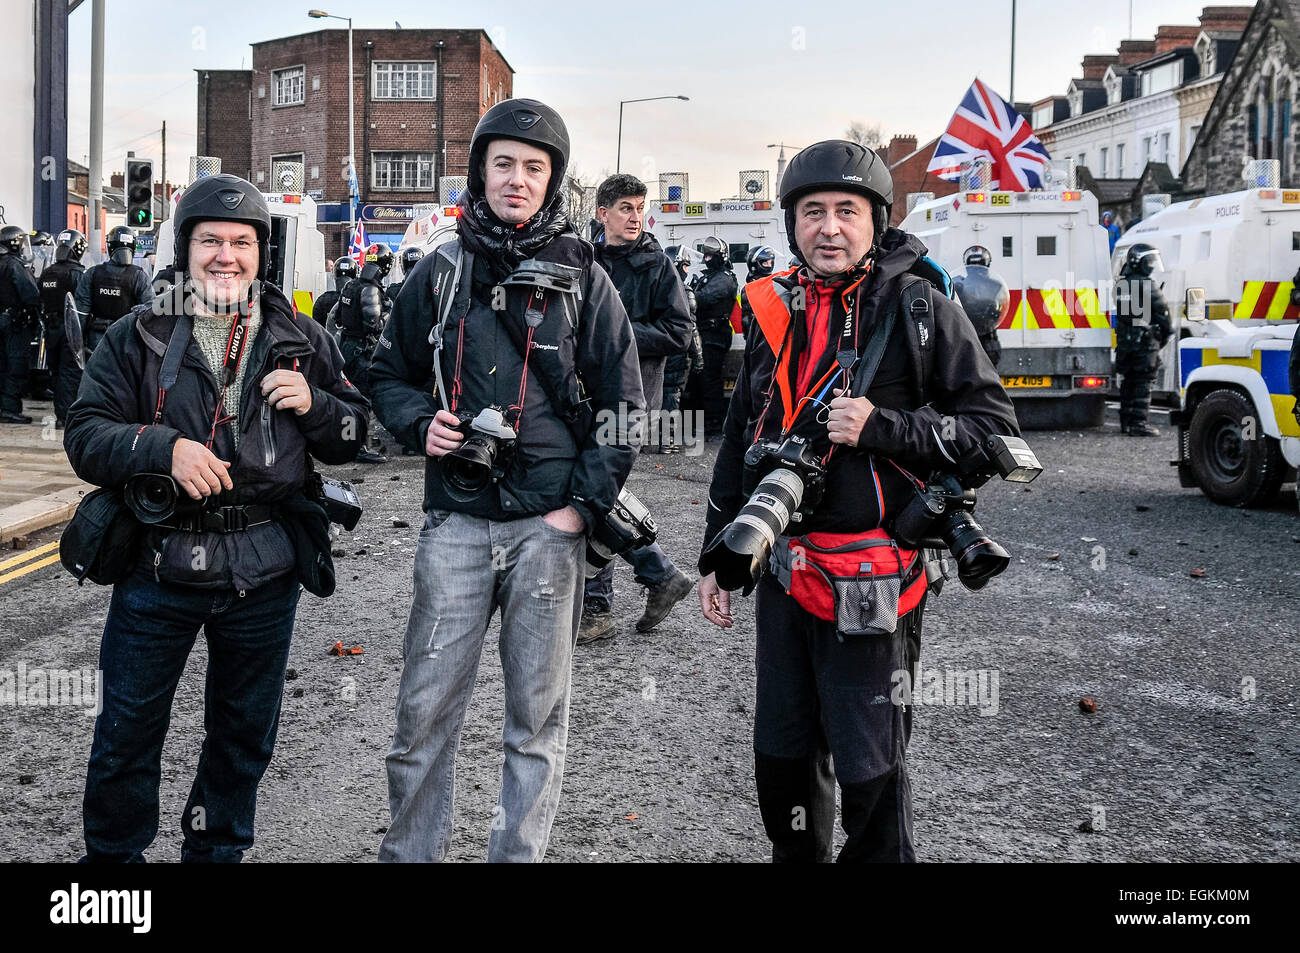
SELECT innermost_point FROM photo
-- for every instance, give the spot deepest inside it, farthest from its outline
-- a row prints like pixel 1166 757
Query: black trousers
pixel 826 712
pixel 65 376
pixel 15 364
pixel 716 342
pixel 1137 370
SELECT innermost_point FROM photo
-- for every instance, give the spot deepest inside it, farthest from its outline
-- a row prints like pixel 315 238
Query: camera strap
pixel 171 365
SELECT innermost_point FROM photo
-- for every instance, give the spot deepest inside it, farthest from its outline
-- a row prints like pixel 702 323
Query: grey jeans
pixel 466 567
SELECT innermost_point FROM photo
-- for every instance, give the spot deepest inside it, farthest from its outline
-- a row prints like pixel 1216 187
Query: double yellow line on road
pixel 6 575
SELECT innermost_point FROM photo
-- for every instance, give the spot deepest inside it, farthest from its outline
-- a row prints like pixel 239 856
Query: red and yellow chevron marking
pixel 1266 299
pixel 1040 309
pixel 302 301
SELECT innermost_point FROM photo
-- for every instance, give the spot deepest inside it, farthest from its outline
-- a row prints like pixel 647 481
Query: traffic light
pixel 139 193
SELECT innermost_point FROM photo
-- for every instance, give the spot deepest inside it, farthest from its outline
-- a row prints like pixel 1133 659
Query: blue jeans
pixel 652 567
pixel 466 567
pixel 150 631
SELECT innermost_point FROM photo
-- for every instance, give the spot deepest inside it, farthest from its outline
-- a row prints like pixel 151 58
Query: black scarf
pixel 504 246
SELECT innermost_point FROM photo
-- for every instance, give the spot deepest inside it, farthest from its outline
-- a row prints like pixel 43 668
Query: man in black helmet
pixel 984 297
pixel 20 302
pixel 57 282
pixel 715 298
pixel 360 314
pixel 820 691
pixel 344 270
pixel 410 257
pixel 112 288
pixel 505 360
pixel 222 387
pixel 1142 327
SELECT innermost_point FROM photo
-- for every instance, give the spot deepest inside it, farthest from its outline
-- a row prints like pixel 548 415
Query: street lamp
pixel 780 161
pixel 352 143
pixel 618 159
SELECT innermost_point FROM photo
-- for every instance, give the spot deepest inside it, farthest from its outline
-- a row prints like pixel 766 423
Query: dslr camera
pixel 627 526
pixel 941 514
pixel 484 455
pixel 790 478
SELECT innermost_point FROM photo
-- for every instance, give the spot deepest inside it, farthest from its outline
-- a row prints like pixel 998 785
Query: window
pixel 289 163
pixel 1007 246
pixel 404 80
pixel 287 86
pixel 739 252
pixel 1119 160
pixel 1105 155
pixel 1044 115
pixel 1295 241
pixel 1162 78
pixel 487 87
pixel 1164 147
pixel 1083 159
pixel 1146 150
pixel 1046 245
pixel 411 171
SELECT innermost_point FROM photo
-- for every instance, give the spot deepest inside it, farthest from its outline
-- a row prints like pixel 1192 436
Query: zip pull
pixel 157 558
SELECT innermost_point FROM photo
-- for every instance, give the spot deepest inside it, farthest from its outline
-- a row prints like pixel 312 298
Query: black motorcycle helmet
pixel 977 255
pixel 41 237
pixel 222 198
pixel 525 120
pixel 121 245
pixel 384 259
pixel 71 245
pixel 14 241
pixel 714 251
pixel 761 260
pixel 1142 259
pixel 410 257
pixel 345 269
pixel 842 166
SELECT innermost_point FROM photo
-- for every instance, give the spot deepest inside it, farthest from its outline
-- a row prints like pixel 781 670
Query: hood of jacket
pixel 639 255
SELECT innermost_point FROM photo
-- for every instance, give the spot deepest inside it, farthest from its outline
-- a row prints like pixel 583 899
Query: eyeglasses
pixel 213 244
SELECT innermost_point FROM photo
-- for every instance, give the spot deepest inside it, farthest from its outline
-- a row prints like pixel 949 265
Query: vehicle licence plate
pixel 1040 381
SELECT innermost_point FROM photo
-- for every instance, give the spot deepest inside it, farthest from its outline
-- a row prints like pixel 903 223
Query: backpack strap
pixel 916 311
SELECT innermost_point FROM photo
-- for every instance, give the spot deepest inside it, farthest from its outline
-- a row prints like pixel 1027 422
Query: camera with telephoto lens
pixel 153 497
pixel 940 516
pixel 338 498
pixel 791 478
pixel 482 457
pixel 628 525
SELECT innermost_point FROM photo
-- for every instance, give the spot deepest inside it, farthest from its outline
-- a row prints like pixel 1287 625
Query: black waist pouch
pixel 100 543
pixel 309 532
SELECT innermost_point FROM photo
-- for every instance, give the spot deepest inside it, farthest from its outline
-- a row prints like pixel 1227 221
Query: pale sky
pixel 756 73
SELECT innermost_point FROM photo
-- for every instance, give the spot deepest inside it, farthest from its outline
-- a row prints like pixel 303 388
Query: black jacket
pixel 20 297
pixel 652 296
pixel 715 297
pixel 56 281
pixel 111 436
pixel 963 386
pixel 131 279
pixel 552 467
pixel 1141 316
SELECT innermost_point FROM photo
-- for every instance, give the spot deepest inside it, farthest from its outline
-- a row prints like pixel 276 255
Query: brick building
pixel 1251 115
pixel 417 95
pixel 907 165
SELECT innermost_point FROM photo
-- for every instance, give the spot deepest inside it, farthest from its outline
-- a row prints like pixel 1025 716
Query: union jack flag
pixel 360 245
pixel 986 125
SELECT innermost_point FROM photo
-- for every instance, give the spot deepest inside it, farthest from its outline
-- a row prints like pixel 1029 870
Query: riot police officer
pixel 409 258
pixel 1142 327
pixel 345 269
pixel 360 314
pixel 761 261
pixel 715 297
pixel 57 281
pixel 112 288
pixel 20 302
pixel 984 297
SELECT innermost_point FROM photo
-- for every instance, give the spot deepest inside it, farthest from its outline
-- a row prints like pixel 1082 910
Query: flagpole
pixel 1012 91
